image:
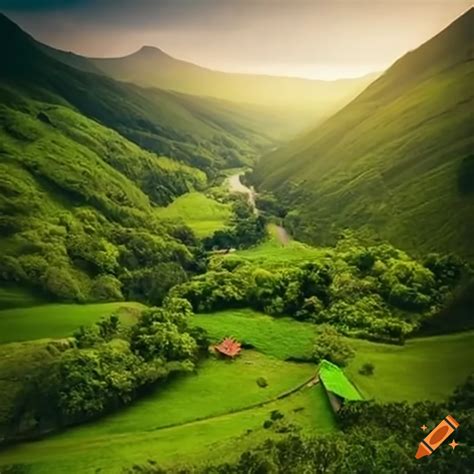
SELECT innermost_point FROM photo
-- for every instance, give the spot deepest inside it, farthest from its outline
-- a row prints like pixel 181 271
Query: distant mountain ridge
pixel 201 132
pixel 298 103
pixel 397 160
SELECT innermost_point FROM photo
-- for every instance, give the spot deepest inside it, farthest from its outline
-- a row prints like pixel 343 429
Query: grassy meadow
pixel 203 214
pixel 216 388
pixel 272 251
pixel 423 369
pixel 58 320
pixel 212 411
pixel 277 337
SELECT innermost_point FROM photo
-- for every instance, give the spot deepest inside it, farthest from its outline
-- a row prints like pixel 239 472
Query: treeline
pixel 375 438
pixel 375 292
pixel 102 368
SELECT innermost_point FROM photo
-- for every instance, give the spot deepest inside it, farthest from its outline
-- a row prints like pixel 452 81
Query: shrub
pixel 262 382
pixel 367 369
pixel 60 283
pixel 276 415
pixel 330 345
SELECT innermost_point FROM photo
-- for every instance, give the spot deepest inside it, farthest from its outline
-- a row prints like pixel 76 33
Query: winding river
pixel 236 186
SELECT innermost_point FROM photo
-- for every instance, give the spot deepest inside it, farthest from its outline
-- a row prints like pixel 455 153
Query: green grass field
pixel 278 337
pixel 58 320
pixel 216 392
pixel 203 214
pixel 273 252
pixel 212 415
pixel 422 369
pixel 218 387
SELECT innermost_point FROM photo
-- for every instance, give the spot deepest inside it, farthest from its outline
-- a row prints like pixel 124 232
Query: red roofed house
pixel 229 347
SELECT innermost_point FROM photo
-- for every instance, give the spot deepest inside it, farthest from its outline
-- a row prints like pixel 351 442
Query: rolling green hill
pixel 290 105
pixel 77 203
pixel 397 160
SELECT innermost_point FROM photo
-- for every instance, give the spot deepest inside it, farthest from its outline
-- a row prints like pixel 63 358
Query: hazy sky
pixel 324 39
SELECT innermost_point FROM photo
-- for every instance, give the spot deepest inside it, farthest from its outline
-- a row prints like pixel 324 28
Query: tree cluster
pixel 84 257
pixel 245 229
pixel 108 365
pixel 374 292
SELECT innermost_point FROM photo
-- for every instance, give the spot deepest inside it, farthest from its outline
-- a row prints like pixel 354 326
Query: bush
pixel 330 345
pixel 92 381
pixel 267 424
pixel 276 415
pixel 367 369
pixel 262 382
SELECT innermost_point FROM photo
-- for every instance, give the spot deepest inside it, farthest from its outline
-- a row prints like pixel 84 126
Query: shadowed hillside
pixel 397 160
pixel 205 133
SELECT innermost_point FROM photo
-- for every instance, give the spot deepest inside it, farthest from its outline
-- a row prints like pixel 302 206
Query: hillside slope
pixel 204 133
pixel 290 105
pixel 398 159
pixel 78 218
pixel 77 201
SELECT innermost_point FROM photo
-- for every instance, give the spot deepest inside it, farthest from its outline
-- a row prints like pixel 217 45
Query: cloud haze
pixel 311 38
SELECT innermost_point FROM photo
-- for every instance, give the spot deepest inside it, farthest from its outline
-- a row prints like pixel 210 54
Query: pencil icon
pixel 437 436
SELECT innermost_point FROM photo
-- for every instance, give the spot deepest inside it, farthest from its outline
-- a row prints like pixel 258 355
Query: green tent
pixel 335 381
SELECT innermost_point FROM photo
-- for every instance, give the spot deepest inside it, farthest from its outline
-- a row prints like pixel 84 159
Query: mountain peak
pixel 149 51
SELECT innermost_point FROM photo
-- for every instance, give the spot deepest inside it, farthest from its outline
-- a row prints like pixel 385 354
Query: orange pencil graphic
pixel 437 437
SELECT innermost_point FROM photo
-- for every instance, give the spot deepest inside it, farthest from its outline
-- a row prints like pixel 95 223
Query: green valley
pixel 189 286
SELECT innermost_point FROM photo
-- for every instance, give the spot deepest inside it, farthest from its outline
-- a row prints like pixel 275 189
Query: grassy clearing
pixel 219 388
pixel 58 320
pixel 272 251
pixel 203 214
pixel 422 369
pixel 278 337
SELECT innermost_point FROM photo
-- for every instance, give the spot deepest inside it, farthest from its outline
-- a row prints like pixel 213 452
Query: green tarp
pixel 335 381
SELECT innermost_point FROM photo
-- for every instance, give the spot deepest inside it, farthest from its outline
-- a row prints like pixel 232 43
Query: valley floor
pixel 219 411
